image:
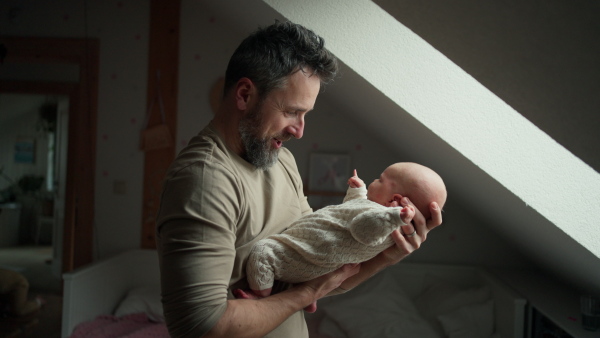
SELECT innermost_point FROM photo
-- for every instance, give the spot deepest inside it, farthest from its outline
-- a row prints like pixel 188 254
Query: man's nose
pixel 297 129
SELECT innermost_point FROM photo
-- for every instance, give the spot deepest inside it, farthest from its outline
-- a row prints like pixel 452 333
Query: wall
pixel 123 29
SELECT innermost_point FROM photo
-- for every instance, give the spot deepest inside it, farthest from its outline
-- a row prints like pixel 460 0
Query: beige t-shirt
pixel 214 207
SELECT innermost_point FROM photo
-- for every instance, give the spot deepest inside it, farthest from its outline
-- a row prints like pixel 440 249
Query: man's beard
pixel 258 150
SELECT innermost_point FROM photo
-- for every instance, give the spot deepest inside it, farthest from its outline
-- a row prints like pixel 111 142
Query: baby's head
pixel 420 184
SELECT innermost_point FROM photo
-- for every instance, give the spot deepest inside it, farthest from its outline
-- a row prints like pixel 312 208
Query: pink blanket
pixel 135 325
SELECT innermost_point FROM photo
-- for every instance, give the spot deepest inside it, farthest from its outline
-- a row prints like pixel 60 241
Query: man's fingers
pixel 338 276
pixel 400 249
pixel 347 271
pixel 436 216
pixel 408 230
pixel 418 220
pixel 350 269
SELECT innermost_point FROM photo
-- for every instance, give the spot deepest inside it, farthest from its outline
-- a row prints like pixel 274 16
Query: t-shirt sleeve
pixel 196 244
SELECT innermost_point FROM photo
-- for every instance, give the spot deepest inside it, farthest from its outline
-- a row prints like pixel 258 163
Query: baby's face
pixel 381 190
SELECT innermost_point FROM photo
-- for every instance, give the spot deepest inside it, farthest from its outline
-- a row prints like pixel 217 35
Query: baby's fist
pixel 355 182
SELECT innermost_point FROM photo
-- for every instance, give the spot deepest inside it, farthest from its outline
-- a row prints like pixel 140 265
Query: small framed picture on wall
pixel 25 150
pixel 328 173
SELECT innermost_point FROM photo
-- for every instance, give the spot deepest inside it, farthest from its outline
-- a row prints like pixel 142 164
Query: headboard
pixel 98 288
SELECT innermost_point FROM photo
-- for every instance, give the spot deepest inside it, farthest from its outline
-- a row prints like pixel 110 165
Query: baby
pixel 352 232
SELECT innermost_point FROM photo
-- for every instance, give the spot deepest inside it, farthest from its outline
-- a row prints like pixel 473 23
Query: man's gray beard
pixel 258 151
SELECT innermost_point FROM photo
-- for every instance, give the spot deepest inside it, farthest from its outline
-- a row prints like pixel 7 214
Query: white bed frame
pixel 98 288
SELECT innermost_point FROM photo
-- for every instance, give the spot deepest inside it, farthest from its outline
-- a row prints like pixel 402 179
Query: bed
pixel 423 300
pixel 118 296
pixel 407 300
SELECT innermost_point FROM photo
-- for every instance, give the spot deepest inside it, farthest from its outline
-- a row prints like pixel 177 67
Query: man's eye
pixel 291 113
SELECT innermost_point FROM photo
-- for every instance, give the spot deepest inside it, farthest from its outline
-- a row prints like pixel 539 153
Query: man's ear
pixel 244 93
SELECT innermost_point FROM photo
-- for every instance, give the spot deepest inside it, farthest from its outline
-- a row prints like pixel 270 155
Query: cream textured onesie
pixel 318 243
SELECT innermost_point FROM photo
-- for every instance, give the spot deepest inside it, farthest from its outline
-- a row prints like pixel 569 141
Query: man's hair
pixel 270 54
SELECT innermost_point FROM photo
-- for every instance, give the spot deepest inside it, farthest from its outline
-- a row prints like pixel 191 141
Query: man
pixel 235 184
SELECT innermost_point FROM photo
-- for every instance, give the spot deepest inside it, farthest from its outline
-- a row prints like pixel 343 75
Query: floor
pixel 34 262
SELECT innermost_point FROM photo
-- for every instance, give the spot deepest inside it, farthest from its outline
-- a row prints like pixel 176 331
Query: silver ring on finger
pixel 411 235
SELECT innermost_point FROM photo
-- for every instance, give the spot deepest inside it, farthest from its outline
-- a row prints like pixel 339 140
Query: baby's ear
pixel 395 201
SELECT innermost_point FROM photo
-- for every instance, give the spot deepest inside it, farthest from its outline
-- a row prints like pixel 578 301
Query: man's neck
pixel 226 123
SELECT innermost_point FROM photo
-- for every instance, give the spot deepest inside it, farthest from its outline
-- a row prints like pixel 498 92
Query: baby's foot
pixel 312 308
pixel 251 294
pixel 241 294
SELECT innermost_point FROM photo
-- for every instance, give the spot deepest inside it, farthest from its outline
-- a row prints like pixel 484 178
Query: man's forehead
pixel 300 92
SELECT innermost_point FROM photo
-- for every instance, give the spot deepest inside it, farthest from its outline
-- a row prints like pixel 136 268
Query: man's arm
pixel 257 317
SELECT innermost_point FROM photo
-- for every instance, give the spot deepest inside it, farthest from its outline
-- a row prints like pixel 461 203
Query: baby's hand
pixel 407 214
pixel 355 182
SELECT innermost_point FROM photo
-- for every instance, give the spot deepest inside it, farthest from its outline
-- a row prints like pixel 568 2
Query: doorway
pixel 40 58
pixel 73 246
pixel 33 153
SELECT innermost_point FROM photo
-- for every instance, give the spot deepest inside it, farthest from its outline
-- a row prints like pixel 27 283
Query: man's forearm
pixel 257 317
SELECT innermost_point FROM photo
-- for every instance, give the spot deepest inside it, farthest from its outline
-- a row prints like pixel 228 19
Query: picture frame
pixel 328 173
pixel 25 150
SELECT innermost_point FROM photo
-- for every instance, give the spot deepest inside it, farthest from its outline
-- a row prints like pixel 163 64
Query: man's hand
pixel 355 182
pixel 323 285
pixel 410 237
